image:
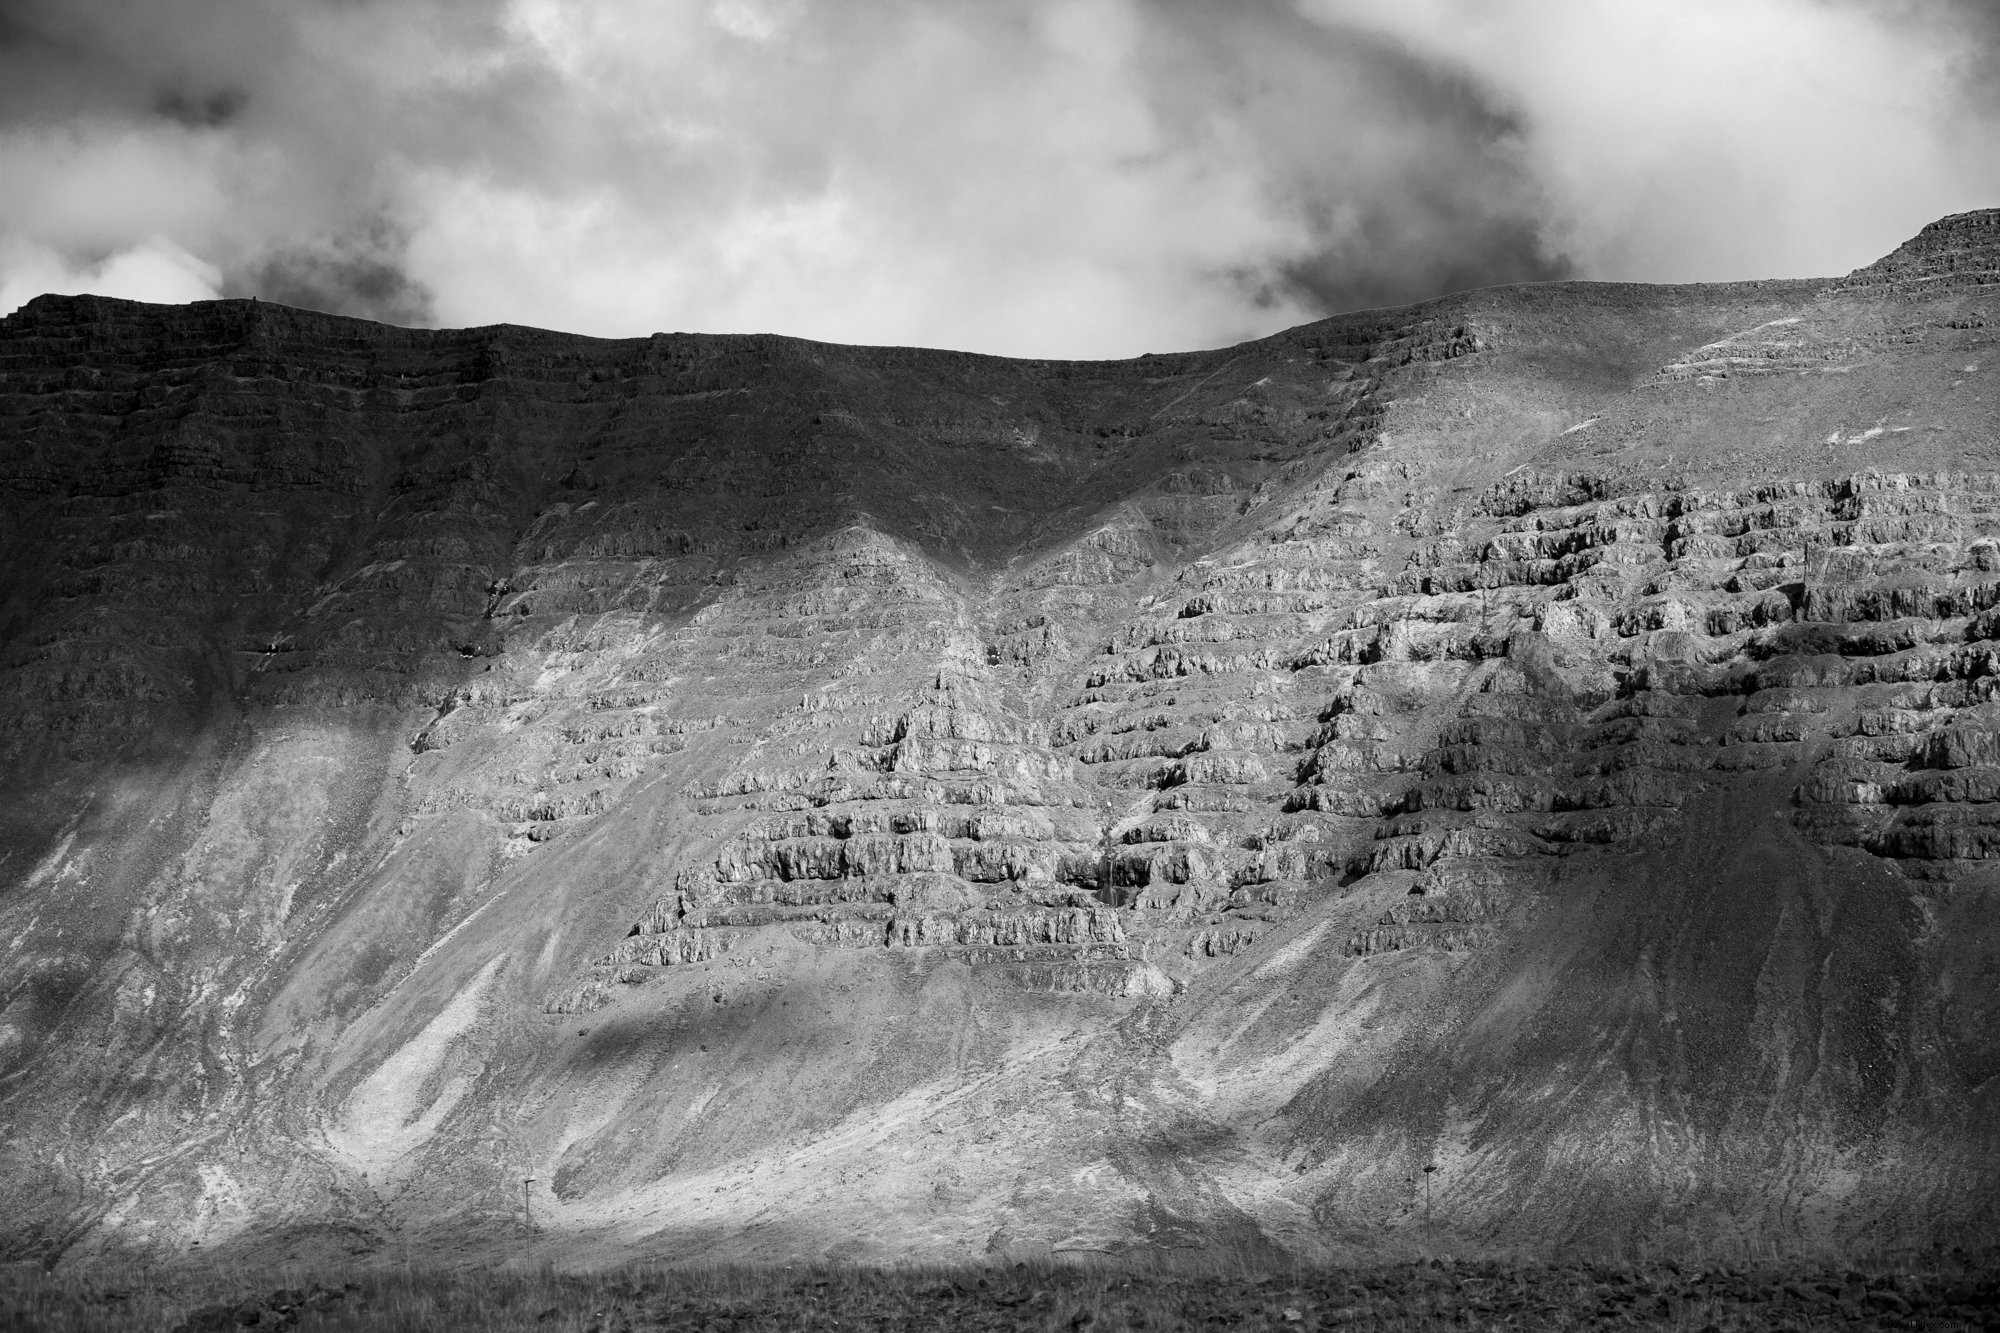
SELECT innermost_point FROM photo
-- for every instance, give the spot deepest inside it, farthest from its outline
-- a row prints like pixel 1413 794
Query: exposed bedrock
pixel 805 800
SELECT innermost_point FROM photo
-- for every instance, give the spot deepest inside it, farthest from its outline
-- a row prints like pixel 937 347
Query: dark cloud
pixel 1972 28
pixel 16 32
pixel 1406 174
pixel 359 276
pixel 1469 250
pixel 201 110
pixel 181 59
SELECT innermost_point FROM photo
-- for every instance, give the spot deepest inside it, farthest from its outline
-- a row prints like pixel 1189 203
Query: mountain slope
pixel 794 799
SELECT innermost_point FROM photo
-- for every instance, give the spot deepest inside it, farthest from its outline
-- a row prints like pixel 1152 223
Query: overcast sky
pixel 1034 177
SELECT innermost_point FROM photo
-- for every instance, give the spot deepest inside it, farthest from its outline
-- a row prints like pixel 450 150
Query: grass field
pixel 1955 1291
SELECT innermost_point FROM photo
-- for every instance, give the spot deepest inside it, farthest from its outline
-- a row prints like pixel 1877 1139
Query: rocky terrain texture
pixel 800 800
pixel 1946 1293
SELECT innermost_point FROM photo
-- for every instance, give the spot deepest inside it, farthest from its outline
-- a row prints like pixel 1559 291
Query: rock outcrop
pixel 790 798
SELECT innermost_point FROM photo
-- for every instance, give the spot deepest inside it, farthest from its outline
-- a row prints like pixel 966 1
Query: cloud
pixel 1409 177
pixel 1702 140
pixel 985 175
pixel 361 272
pixel 1092 177
pixel 154 270
pixel 1041 177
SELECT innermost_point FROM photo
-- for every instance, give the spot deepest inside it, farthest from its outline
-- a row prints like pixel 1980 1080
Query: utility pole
pixel 527 1202
pixel 1429 1167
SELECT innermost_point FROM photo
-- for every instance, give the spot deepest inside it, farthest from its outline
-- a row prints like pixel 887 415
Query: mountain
pixel 800 800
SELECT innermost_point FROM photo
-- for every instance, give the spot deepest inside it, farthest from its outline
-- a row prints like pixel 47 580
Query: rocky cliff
pixel 794 799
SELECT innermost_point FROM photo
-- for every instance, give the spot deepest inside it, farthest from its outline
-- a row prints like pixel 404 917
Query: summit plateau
pixel 871 803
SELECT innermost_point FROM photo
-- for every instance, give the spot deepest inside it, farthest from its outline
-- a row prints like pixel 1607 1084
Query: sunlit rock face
pixel 799 800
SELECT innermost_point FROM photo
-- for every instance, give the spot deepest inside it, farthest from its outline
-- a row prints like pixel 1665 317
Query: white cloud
pixel 97 185
pixel 1703 140
pixel 154 270
pixel 989 178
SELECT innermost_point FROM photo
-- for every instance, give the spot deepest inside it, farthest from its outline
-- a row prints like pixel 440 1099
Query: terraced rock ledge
pixel 873 803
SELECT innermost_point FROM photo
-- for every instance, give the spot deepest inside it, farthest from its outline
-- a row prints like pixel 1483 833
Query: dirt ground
pixel 1955 1291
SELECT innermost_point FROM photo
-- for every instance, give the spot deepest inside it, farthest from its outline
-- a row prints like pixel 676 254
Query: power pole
pixel 527 1202
pixel 1429 1167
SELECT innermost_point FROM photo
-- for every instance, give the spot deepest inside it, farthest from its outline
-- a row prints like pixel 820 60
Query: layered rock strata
pixel 1197 789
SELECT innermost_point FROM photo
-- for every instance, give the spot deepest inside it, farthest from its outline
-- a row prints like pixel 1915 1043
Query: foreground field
pixel 1957 1291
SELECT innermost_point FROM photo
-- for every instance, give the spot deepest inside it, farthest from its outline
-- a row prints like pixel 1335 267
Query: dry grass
pixel 1203 1291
